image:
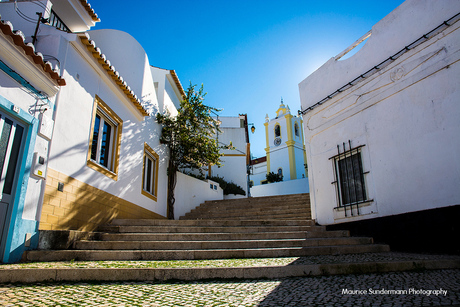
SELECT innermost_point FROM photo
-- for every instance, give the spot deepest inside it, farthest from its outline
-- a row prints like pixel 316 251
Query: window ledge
pixel 147 194
pixel 101 169
pixel 351 211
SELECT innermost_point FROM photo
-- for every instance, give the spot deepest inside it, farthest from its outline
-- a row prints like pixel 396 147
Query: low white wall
pixel 191 192
pixel 281 188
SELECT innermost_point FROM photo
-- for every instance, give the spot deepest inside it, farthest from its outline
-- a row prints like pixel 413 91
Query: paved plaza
pixel 425 288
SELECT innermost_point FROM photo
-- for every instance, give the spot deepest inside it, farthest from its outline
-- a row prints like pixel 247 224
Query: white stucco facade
pixel 86 81
pixel 401 117
pixel 78 110
pixel 234 160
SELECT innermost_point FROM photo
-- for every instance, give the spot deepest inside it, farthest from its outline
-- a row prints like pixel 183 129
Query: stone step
pixel 214 222
pixel 227 208
pixel 337 266
pixel 217 245
pixel 255 206
pixel 280 215
pixel 263 199
pixel 251 212
pixel 206 229
pixel 220 236
pixel 120 255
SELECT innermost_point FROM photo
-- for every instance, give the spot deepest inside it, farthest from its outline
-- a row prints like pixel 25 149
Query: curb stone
pixel 28 275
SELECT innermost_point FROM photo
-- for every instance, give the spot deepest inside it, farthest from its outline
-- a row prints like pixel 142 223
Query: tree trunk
pixel 172 180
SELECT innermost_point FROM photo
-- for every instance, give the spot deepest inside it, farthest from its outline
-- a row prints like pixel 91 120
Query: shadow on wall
pixel 79 206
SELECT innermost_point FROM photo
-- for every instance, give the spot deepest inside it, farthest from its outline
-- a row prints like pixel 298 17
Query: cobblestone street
pixel 391 289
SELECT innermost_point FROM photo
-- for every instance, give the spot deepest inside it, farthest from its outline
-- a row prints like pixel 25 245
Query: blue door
pixel 11 135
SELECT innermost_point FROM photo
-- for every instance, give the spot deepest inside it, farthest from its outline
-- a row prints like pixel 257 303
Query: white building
pixel 382 126
pixel 79 140
pixel 233 135
pixel 285 151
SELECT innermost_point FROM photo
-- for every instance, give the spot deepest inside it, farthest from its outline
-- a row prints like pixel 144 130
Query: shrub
pixel 233 188
pixel 272 177
pixel 228 187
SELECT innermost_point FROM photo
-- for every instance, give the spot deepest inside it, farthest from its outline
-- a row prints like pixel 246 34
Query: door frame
pixel 17 227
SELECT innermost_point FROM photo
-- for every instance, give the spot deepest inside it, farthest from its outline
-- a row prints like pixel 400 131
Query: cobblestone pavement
pixel 426 288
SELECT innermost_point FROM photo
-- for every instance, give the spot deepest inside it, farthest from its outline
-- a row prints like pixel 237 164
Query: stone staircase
pixel 284 207
pixel 265 227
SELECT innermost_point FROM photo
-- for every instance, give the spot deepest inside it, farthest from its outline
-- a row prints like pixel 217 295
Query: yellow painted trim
pixel 290 144
pixel 99 103
pixel 281 108
pixel 266 135
pixel 289 126
pixel 148 149
pixel 267 150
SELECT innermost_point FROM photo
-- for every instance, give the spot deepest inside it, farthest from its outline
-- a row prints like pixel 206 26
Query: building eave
pixel 178 84
pixel 90 10
pixel 31 63
pixel 105 64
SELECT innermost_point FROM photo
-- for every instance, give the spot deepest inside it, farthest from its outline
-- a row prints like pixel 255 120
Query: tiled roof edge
pixel 96 52
pixel 178 84
pixel 90 10
pixel 29 49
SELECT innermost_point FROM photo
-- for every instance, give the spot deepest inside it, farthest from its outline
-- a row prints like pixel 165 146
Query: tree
pixel 272 177
pixel 189 136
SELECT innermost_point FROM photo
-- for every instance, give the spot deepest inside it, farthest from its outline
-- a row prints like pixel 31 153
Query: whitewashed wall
pixel 75 102
pixel 233 167
pixel 191 192
pixel 281 188
pixel 406 115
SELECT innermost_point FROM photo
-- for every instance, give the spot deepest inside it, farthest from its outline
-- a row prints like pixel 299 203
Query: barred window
pixel 349 176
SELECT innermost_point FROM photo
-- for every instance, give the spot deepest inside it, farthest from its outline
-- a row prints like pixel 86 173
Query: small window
pixel 280 171
pixel 105 140
pixel 150 173
pixel 350 177
pixel 277 131
pixel 296 129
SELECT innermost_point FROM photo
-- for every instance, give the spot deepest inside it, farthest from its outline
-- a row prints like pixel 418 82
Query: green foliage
pixel 233 188
pixel 272 177
pixel 189 135
pixel 228 187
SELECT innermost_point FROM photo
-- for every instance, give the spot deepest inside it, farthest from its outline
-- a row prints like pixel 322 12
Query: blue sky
pixel 246 53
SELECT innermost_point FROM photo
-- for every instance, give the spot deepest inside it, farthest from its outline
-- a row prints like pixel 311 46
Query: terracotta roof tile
pixel 18 38
pixel 111 71
pixel 90 11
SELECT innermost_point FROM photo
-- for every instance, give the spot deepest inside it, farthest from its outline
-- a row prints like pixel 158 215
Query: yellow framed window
pixel 150 173
pixel 105 139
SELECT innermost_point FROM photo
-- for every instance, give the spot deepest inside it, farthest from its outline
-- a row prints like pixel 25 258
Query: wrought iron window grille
pixel 349 178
